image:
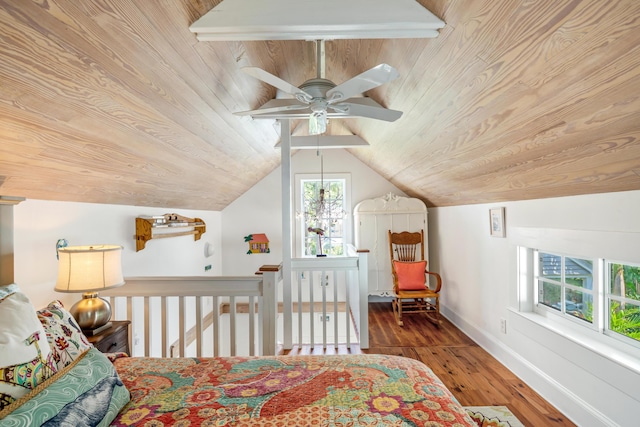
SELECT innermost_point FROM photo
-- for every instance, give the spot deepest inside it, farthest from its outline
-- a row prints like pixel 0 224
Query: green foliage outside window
pixel 323 210
pixel 624 314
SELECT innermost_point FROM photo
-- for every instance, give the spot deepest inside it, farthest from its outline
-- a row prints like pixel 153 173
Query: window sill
pixel 625 356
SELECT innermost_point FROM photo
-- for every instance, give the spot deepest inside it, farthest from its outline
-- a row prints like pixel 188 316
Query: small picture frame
pixel 496 222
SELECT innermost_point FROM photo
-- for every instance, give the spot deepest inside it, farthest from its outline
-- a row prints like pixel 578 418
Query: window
pixel 321 205
pixel 571 288
pixel 623 300
pixel 565 284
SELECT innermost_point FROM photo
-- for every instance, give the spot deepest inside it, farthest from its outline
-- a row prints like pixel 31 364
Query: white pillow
pixel 25 356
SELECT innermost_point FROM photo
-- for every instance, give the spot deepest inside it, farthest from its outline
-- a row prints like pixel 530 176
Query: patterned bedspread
pixel 347 390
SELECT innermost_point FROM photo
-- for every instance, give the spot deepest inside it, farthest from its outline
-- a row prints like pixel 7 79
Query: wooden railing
pixel 199 316
pixel 172 315
pixel 330 293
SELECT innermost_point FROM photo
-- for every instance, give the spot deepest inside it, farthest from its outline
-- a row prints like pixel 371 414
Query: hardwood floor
pixel 472 375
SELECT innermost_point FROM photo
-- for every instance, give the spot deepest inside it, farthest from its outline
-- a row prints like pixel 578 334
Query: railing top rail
pixel 188 286
pixel 325 263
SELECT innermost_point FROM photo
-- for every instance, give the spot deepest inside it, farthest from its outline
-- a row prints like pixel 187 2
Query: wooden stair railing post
pixel 363 297
pixel 271 276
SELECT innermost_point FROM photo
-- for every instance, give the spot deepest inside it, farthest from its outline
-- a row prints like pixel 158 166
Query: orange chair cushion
pixel 410 275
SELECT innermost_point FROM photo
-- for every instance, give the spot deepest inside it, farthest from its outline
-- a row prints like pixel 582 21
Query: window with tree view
pixel 323 216
pixel 623 300
pixel 567 286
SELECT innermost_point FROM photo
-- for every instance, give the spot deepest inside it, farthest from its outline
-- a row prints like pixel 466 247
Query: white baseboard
pixel 571 405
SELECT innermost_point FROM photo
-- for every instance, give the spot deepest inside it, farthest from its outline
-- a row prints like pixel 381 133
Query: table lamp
pixel 90 269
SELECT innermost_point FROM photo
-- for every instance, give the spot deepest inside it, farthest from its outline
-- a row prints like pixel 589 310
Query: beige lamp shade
pixel 89 268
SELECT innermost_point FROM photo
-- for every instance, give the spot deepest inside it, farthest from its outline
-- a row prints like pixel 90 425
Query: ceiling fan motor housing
pixel 317 88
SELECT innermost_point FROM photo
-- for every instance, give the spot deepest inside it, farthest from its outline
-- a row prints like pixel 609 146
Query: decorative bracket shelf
pixel 167 225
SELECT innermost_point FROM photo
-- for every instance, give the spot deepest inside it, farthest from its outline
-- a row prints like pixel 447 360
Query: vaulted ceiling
pixel 115 101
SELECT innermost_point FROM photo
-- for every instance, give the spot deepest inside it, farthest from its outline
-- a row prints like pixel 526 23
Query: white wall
pixel 259 209
pixel 479 289
pixel 39 224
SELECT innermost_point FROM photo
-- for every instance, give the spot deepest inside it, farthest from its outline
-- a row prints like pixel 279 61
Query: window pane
pixel 578 272
pixel 624 281
pixel 323 216
pixel 624 318
pixel 550 266
pixel 550 294
pixel 579 304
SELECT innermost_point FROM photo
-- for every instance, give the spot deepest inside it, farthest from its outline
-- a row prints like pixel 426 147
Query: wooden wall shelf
pixel 167 225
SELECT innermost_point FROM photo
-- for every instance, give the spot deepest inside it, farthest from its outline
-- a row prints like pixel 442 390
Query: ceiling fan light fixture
pixel 318 122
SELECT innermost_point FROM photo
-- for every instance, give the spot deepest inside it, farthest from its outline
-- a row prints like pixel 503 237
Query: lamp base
pixel 96 331
pixel 91 312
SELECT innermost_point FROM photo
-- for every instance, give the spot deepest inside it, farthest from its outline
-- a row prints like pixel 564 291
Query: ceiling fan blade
pixel 260 111
pixel 378 113
pixel 361 83
pixel 277 82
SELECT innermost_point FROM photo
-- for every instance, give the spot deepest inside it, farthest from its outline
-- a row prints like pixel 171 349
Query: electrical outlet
pixel 326 318
pixel 503 326
pixel 207 267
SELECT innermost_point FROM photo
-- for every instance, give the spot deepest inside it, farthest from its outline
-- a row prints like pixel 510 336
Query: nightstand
pixel 113 339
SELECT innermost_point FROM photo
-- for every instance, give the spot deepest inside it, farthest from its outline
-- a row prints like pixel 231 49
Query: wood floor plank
pixel 473 375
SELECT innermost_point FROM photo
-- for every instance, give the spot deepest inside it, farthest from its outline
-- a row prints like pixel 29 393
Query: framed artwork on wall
pixel 496 222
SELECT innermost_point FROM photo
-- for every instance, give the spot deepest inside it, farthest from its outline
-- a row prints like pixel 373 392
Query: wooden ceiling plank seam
pixel 148 84
pixel 180 37
pixel 57 92
pixel 221 124
pixel 528 23
pixel 524 67
pixel 555 95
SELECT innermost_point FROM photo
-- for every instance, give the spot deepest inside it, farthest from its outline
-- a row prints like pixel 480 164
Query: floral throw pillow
pixel 25 357
pixel 65 337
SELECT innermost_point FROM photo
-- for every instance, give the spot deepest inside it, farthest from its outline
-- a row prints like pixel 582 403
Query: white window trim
pixel 587 244
pixel 298 232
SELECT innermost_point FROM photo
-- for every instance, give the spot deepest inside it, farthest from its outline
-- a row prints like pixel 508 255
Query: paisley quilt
pixel 341 390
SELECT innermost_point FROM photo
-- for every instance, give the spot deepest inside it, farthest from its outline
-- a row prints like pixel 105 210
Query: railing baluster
pixel 299 282
pixel 182 326
pixel 311 323
pixel 252 326
pixel 232 326
pixel 198 326
pixel 324 282
pixel 147 332
pixel 164 309
pixel 348 312
pixel 132 335
pixel 216 326
pixel 335 309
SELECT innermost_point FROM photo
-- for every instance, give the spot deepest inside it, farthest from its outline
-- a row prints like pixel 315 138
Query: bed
pixel 342 390
pixel 79 386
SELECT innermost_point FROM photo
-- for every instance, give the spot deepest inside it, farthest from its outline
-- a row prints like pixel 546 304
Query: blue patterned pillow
pixel 87 392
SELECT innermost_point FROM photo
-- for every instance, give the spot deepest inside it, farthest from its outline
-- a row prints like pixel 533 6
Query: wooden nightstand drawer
pixel 114 339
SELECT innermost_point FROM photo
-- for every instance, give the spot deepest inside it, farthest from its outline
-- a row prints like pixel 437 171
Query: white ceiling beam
pixel 243 20
pixel 326 141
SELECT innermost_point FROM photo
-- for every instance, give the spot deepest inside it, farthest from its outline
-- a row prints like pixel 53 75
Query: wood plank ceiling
pixel 114 101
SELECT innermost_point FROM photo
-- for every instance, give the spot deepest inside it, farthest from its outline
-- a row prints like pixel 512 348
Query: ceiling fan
pixel 320 98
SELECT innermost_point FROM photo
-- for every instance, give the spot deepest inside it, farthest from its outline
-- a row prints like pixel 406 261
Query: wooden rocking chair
pixel 412 293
